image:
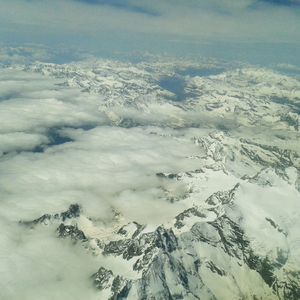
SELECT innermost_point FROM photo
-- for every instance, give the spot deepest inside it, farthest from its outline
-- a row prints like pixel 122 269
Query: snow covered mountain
pixel 197 165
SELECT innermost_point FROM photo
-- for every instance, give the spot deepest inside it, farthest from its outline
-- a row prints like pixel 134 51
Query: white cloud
pixel 37 265
pixel 101 169
pixel 214 20
pixel 105 167
pixel 32 103
pixel 17 141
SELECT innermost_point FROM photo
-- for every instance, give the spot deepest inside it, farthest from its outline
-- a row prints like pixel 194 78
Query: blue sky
pixel 152 25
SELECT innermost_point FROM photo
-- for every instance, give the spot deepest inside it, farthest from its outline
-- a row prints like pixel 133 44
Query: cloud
pixel 31 103
pixel 124 5
pixel 102 149
pixel 290 3
pixel 61 145
pixel 110 26
pixel 79 169
pixel 38 265
pixel 18 141
pixel 35 52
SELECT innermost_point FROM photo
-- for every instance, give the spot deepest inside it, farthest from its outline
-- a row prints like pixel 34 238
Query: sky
pixel 233 28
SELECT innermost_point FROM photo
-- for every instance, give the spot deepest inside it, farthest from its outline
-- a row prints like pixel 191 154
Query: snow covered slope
pixel 187 196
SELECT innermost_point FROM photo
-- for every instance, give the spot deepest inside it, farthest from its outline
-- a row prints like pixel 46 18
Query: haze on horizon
pixel 257 31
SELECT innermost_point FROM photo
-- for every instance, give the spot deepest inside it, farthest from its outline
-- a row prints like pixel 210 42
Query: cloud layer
pixel 97 133
pixel 57 148
pixel 129 25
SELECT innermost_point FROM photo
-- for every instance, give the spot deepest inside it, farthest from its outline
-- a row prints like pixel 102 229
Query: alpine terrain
pixel 172 179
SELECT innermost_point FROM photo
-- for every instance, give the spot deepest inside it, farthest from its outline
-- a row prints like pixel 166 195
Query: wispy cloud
pixel 282 2
pixel 124 5
pixel 123 23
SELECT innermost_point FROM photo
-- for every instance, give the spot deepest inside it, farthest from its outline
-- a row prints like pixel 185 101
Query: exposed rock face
pixel 206 249
pixel 117 286
pixel 102 278
pixel 72 212
pixel 188 261
pixel 70 231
